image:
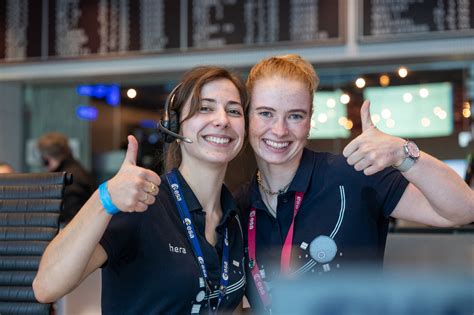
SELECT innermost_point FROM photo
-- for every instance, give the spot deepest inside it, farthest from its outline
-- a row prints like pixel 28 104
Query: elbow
pixel 463 215
pixel 468 216
pixel 460 220
pixel 41 292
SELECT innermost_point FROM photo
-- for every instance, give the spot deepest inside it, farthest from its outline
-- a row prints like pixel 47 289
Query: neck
pixel 276 176
pixel 206 183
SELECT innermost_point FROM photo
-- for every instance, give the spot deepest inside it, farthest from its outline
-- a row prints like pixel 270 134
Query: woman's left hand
pixel 373 150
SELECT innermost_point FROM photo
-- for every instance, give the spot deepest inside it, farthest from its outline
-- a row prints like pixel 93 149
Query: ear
pixel 173 126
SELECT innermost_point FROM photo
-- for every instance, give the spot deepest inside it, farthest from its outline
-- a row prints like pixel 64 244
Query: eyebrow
pixel 298 111
pixel 273 110
pixel 265 108
pixel 211 100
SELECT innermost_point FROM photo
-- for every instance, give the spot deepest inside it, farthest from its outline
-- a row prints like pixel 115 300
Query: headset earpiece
pixel 169 125
pixel 173 126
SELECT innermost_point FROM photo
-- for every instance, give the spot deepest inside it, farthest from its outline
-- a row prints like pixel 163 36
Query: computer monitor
pixel 412 111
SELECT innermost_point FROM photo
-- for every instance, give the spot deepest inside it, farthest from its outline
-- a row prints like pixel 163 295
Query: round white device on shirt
pixel 323 249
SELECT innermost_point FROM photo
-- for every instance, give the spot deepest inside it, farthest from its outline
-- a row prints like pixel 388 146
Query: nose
pixel 280 128
pixel 220 118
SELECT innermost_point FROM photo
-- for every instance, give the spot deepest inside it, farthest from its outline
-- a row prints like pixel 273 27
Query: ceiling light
pixel 384 80
pixel 131 93
pixel 402 72
pixel 345 99
pixel 360 83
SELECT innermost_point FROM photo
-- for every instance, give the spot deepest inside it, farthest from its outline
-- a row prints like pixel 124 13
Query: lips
pixel 277 145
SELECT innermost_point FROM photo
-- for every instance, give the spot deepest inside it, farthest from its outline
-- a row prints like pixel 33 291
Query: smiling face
pixel 217 129
pixel 279 120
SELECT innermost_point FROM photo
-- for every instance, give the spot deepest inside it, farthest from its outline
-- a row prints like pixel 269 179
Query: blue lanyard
pixel 192 237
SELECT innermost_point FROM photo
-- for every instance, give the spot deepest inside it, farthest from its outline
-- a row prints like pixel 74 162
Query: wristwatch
pixel 412 153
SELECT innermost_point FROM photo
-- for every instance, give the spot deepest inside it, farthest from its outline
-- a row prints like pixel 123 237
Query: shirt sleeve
pixel 389 186
pixel 121 236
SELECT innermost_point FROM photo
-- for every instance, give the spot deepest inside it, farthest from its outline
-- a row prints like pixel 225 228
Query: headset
pixel 169 125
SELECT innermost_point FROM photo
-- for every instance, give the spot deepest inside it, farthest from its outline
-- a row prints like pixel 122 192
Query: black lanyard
pixel 192 237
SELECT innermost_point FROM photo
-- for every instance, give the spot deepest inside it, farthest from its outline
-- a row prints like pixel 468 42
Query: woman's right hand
pixel 133 188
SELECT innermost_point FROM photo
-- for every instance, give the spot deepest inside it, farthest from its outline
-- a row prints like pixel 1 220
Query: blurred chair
pixel 29 220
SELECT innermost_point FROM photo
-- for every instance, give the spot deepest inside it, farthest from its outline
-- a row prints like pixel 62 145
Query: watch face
pixel 413 150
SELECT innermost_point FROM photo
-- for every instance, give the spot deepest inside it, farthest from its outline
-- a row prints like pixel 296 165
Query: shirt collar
pixel 254 193
pixel 229 206
pixel 300 182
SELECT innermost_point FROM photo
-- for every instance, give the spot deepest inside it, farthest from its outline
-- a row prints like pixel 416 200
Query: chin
pixel 272 160
pixel 277 158
pixel 220 159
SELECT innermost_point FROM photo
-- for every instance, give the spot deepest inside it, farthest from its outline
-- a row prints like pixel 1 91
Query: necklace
pixel 266 201
pixel 268 191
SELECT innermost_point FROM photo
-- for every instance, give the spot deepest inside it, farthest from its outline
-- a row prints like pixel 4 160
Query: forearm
pixel 446 192
pixel 66 258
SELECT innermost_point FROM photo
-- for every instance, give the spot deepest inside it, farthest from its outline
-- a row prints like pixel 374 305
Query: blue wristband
pixel 104 196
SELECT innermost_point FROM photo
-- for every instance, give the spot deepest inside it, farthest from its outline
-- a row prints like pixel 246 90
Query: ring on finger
pixel 153 188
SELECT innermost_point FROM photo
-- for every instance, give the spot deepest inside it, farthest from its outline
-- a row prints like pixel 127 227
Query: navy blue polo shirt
pixel 151 267
pixel 343 219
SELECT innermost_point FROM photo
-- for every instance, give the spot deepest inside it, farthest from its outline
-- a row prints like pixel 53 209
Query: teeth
pixel 277 145
pixel 217 140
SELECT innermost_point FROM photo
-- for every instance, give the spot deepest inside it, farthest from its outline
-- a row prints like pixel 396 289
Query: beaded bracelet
pixel 104 196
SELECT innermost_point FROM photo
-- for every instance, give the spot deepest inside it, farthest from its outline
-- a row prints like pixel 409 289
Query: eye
pixel 266 114
pixel 205 109
pixel 296 116
pixel 236 112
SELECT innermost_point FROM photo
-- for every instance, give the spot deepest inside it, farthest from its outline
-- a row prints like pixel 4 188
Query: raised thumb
pixel 365 116
pixel 132 151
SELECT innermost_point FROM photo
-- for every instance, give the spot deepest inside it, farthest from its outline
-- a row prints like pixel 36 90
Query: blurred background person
pixel 57 156
pixel 5 168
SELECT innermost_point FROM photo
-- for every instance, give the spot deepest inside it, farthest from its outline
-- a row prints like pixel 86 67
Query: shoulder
pixel 327 162
pixel 79 174
pixel 331 169
pixel 335 167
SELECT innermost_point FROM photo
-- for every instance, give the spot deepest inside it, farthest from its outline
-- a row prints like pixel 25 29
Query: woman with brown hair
pixel 179 251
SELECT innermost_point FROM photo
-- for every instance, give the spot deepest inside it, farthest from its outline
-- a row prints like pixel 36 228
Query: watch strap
pixel 405 165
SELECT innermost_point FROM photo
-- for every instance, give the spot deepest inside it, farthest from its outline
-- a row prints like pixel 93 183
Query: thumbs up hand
pixel 133 188
pixel 373 150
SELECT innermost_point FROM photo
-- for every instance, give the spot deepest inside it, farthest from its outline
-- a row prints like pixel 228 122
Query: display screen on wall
pixel 388 20
pixel 412 111
pixel 329 118
pixel 80 28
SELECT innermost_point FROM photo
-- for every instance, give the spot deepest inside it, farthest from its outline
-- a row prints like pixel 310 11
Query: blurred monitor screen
pixel 329 118
pixel 412 111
